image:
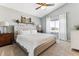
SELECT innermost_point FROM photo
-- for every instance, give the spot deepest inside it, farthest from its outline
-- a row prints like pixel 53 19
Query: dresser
pixel 6 35
pixel 6 38
pixel 75 39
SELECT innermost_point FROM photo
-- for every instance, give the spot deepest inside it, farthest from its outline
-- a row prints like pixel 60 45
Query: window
pixel 53 26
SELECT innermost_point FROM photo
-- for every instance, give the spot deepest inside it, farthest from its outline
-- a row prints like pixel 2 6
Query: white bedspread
pixel 31 41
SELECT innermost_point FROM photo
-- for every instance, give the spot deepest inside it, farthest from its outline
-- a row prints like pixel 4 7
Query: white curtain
pixel 62 27
pixel 48 24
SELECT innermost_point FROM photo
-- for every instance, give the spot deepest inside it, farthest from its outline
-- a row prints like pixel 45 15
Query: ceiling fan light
pixel 43 7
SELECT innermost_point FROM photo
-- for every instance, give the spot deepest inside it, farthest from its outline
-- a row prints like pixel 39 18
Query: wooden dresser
pixel 6 35
pixel 6 38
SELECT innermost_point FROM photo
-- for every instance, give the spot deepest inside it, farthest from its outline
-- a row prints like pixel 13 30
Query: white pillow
pixel 18 32
pixel 33 31
pixel 26 32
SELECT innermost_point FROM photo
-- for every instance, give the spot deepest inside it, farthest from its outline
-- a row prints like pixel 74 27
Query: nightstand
pixel 40 31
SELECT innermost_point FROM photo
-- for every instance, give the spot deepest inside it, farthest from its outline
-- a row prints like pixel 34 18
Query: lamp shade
pixel 4 23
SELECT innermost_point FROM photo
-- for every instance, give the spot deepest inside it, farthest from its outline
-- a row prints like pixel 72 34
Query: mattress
pixel 35 43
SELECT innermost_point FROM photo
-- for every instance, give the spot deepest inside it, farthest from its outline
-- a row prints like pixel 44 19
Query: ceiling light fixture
pixel 43 7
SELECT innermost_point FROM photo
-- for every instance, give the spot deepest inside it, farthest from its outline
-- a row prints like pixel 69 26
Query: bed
pixel 35 43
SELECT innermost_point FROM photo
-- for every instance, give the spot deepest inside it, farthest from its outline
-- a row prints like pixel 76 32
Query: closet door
pixel 62 27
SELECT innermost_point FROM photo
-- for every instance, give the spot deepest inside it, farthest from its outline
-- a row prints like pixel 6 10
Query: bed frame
pixel 40 49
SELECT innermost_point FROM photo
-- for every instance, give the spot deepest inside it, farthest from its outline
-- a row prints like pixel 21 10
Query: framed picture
pixel 25 20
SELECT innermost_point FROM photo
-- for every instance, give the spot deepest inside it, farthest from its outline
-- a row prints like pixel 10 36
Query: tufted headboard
pixel 25 27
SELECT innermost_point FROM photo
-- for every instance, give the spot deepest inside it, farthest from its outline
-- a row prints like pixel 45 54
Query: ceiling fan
pixel 43 5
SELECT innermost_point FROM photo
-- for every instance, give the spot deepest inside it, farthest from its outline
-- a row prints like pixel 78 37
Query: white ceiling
pixel 29 8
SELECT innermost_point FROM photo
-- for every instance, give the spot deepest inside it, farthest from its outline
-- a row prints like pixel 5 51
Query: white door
pixel 62 27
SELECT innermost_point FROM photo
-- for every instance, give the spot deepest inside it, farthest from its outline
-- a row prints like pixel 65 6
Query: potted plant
pixel 77 27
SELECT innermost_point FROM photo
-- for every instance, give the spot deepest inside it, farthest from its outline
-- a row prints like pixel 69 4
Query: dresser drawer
pixel 6 38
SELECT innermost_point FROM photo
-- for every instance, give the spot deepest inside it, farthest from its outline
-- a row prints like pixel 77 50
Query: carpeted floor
pixel 61 48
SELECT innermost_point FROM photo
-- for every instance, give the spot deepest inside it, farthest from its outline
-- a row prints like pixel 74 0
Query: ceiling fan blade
pixel 50 4
pixel 38 7
pixel 42 4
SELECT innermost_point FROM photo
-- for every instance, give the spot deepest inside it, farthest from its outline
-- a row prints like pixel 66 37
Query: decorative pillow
pixel 33 31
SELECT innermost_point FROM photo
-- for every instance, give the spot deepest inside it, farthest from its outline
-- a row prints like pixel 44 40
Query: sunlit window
pixel 53 26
